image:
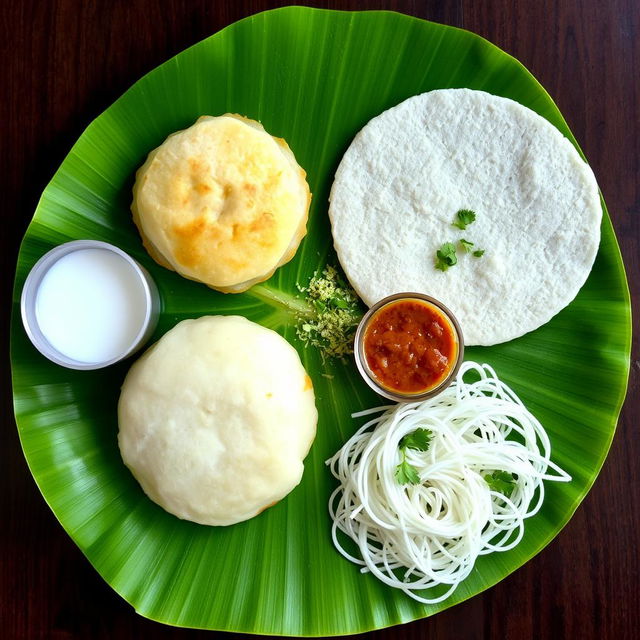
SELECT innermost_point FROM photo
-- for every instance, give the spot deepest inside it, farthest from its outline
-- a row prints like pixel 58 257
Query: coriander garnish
pixel 465 218
pixel 466 245
pixel 446 256
pixel 332 326
pixel 406 473
pixel 418 440
pixel 502 482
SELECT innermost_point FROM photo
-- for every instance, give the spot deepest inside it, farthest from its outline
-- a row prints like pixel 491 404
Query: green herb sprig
pixel 335 317
pixel 446 256
pixel 418 440
pixel 502 482
pixel 467 247
pixel 465 218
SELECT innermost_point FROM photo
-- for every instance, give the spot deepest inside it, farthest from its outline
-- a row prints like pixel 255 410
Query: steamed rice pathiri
pixel 535 201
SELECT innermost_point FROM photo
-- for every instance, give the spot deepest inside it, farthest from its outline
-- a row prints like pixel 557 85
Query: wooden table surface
pixel 65 61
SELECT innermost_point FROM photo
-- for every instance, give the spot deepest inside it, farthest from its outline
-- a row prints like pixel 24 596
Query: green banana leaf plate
pixel 315 78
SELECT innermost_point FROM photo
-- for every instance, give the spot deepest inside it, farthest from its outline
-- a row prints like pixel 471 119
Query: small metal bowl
pixel 151 304
pixel 369 376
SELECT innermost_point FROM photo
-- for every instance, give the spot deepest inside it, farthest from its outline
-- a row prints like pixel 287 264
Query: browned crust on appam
pixel 192 241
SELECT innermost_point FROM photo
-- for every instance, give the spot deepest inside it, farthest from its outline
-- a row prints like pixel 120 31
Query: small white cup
pixel 150 301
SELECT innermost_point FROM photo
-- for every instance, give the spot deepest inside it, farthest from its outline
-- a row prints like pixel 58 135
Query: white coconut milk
pixel 90 305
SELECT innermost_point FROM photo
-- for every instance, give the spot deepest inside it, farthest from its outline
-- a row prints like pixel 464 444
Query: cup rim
pixel 368 375
pixel 30 290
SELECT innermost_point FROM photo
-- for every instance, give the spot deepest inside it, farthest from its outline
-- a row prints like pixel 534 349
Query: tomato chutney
pixel 410 346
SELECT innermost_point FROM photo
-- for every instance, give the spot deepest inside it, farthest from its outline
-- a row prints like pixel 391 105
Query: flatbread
pixel 411 169
pixel 216 419
pixel 222 202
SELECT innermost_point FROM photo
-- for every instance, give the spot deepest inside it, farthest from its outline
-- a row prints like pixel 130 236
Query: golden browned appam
pixel 222 202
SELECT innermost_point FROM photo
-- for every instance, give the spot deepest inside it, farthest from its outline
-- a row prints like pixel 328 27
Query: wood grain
pixel 66 61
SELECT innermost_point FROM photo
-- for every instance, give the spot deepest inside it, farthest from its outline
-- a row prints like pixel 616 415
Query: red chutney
pixel 410 346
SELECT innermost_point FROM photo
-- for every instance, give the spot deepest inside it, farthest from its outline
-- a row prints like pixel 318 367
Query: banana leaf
pixel 315 78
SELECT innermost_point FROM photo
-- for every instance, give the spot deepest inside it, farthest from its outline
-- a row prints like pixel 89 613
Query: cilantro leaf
pixel 339 303
pixel 466 245
pixel 501 481
pixel 419 440
pixel 406 473
pixel 446 256
pixel 479 253
pixel 465 218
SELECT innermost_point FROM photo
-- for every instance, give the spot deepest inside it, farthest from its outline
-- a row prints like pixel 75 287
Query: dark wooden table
pixel 63 62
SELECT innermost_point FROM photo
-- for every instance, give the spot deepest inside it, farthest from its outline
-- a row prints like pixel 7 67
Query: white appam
pixel 410 169
pixel 216 418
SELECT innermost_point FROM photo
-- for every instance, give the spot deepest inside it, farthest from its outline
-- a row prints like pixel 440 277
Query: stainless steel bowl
pixel 369 376
pixel 151 304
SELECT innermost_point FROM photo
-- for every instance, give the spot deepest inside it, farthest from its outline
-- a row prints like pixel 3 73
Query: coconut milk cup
pixel 87 304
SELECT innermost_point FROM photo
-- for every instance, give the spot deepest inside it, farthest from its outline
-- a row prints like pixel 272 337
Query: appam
pixel 411 169
pixel 216 419
pixel 222 202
